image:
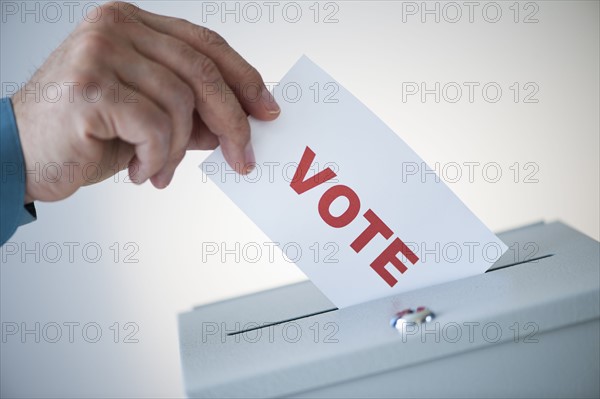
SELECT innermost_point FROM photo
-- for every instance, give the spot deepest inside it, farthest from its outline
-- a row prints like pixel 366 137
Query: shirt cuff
pixel 13 212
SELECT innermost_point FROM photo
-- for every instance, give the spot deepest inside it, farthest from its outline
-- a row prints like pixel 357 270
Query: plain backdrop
pixel 376 49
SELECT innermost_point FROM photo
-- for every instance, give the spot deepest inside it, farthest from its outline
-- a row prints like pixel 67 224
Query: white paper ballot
pixel 348 201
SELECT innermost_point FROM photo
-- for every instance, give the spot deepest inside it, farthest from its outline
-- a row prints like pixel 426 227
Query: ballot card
pixel 348 201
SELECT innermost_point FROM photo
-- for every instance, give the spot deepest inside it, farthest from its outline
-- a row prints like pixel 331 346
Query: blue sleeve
pixel 13 211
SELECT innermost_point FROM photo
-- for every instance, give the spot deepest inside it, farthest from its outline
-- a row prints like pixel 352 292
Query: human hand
pixel 138 91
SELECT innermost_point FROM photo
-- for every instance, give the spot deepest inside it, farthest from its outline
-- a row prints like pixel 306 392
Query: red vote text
pixel 301 183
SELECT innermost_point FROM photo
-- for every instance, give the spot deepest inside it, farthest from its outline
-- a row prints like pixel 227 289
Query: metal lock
pixel 410 317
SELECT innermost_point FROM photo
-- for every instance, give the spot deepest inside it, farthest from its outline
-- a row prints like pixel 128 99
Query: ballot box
pixel 528 327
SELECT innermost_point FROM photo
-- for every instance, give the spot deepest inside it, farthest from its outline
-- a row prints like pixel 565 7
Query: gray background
pixel 371 51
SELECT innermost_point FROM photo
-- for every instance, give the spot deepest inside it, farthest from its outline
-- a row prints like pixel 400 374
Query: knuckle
pixel 179 21
pixel 112 5
pixel 252 82
pixel 186 52
pixel 205 70
pixel 111 15
pixel 249 73
pixel 241 129
pixel 91 45
pixel 209 36
pixel 118 9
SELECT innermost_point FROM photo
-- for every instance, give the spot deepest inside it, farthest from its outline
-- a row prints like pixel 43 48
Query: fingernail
pixel 249 160
pixel 269 102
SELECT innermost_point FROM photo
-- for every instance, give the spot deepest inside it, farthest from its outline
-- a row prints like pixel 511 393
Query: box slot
pixel 282 321
pixel 493 269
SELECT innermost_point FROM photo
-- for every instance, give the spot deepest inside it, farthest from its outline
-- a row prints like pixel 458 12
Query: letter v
pixel 299 184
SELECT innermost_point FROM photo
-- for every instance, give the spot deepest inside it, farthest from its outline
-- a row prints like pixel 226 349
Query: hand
pixel 136 90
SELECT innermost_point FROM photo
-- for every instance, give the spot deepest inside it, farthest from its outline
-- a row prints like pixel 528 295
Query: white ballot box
pixel 528 327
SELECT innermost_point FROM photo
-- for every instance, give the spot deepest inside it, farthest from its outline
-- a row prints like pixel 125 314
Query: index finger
pixel 242 77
